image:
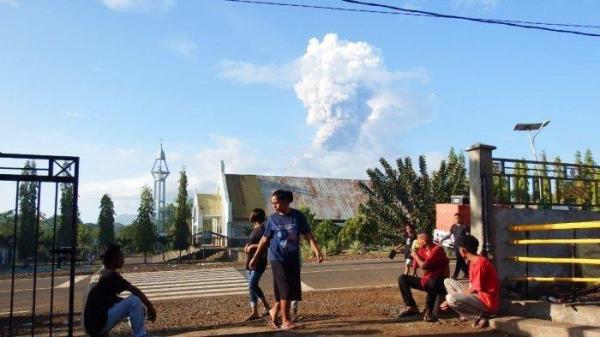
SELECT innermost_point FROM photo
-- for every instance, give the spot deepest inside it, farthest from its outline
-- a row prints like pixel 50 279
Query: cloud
pixel 349 93
pixel 183 46
pixel 248 73
pixel 139 5
pixel 485 4
pixel 73 114
pixel 11 3
pixel 347 89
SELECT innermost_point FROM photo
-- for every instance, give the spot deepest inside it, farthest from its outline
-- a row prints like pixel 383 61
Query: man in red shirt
pixel 482 296
pixel 432 259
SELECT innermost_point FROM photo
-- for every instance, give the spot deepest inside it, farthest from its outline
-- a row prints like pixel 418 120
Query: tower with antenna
pixel 160 172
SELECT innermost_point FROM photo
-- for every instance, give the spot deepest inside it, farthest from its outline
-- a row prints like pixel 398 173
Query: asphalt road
pixel 325 276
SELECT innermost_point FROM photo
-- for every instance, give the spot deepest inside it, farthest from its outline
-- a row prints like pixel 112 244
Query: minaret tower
pixel 160 172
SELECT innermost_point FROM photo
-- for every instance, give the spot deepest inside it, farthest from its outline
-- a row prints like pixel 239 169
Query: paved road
pixel 169 285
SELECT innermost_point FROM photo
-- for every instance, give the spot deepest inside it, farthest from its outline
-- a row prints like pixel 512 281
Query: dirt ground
pixel 355 312
pixel 331 313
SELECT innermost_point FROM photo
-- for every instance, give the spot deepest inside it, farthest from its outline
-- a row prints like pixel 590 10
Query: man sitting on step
pixel 481 296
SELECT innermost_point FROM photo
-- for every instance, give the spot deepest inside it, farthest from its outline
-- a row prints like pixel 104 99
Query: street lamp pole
pixel 529 127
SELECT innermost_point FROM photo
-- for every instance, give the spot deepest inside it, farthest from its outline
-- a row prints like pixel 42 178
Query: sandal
pixel 482 322
pixel 428 317
pixel 288 326
pixel 272 322
pixel 408 311
pixel 252 317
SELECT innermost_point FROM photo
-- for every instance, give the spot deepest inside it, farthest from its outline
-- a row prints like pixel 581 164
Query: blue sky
pixel 105 80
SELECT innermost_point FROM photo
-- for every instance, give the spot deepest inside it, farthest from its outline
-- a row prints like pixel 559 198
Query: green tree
pixel 146 233
pixel 7 222
pixel 65 219
pixel 546 185
pixel 127 237
pixel 398 196
pixel 560 182
pixel 106 221
pixel 182 216
pixel 358 228
pixel 27 214
pixel 326 231
pixel 310 216
pixel 521 185
pixel 589 173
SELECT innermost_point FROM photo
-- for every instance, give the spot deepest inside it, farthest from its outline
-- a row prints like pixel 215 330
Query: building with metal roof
pixel 226 212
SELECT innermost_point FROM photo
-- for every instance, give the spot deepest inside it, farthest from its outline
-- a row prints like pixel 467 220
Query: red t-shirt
pixel 484 279
pixel 435 263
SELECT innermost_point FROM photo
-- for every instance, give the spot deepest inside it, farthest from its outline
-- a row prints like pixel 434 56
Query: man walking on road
pixel 432 259
pixel 458 231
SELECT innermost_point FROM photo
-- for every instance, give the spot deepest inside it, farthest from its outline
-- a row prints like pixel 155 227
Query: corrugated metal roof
pixel 210 204
pixel 328 198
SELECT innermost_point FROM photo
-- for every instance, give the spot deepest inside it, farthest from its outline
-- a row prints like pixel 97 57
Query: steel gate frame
pixel 57 170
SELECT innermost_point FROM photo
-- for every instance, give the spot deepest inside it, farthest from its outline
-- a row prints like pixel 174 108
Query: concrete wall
pixel 503 250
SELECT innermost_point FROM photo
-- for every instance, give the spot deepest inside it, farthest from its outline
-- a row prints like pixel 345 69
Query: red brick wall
pixel 444 215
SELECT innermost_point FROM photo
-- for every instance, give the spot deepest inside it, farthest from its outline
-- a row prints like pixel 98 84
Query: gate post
pixel 481 192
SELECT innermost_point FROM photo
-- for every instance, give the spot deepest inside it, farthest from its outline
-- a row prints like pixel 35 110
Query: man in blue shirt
pixel 282 236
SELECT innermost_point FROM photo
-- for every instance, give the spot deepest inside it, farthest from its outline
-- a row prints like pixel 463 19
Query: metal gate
pixel 33 260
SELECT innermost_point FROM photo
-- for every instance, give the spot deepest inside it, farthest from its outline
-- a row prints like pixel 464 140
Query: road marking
pixel 189 283
pixel 15 312
pixel 306 287
pixel 66 284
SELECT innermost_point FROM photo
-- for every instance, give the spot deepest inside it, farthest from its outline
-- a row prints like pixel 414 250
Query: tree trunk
pixel 145 255
pixel 179 258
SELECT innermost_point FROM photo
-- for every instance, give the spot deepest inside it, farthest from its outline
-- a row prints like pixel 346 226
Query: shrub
pixel 326 231
pixel 357 248
pixel 332 247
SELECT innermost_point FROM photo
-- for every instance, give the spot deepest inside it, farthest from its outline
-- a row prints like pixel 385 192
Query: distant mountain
pixel 125 219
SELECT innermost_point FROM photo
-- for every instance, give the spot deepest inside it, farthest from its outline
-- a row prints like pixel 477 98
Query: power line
pixel 537 26
pixel 413 12
pixel 286 4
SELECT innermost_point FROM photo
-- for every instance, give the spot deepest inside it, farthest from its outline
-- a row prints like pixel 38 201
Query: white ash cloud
pixel 350 95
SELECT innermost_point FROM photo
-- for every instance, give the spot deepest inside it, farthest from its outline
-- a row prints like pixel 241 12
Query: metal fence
pixel 34 180
pixel 546 184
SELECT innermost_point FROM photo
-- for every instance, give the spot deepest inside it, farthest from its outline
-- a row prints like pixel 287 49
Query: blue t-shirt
pixel 284 233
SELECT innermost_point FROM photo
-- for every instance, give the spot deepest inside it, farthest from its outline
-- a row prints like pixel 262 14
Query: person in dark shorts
pixel 282 235
pixel 432 259
pixel 458 231
pixel 257 219
pixel 103 309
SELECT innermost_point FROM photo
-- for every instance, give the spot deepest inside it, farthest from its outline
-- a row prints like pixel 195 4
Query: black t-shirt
pixel 459 232
pixel 100 298
pixel 254 238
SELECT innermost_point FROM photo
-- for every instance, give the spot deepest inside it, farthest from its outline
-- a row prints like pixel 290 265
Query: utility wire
pixel 537 26
pixel 413 12
pixel 286 4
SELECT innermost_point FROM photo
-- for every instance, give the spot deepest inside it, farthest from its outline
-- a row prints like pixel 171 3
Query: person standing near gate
pixel 458 231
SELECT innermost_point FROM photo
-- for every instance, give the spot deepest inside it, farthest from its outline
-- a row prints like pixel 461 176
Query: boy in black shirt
pixel 257 219
pixel 103 309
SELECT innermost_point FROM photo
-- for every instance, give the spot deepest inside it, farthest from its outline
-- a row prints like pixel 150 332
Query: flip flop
pixel 289 326
pixel 408 311
pixel 252 317
pixel 270 321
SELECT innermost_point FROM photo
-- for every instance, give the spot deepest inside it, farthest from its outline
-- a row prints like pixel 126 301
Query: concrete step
pixel 532 327
pixel 580 315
